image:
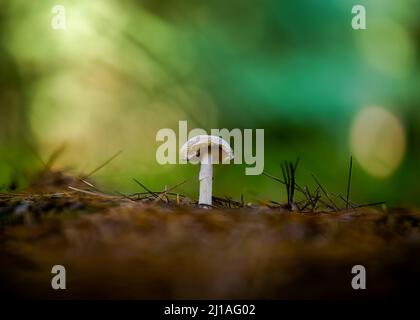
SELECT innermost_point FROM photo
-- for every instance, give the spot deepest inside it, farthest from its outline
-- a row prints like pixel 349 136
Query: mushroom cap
pixel 192 148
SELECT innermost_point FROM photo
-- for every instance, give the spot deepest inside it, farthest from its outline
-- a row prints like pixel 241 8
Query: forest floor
pixel 160 245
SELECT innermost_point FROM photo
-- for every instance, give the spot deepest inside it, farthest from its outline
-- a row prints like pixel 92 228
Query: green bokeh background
pixel 124 69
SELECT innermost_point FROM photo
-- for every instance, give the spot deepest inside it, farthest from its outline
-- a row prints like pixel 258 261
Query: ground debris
pixel 161 245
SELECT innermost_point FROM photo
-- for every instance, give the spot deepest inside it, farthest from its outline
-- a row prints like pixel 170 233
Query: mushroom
pixel 207 150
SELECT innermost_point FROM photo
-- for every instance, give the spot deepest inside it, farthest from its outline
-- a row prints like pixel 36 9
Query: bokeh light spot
pixel 377 141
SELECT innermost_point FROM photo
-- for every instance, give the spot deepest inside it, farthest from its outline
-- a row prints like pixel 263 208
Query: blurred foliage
pixel 123 70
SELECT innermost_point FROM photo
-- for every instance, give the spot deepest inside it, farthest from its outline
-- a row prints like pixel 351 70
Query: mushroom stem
pixel 199 149
pixel 206 180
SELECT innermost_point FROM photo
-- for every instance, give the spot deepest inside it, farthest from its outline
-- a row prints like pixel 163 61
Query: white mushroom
pixel 207 150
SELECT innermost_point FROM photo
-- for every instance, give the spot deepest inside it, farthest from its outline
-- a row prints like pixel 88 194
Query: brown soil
pixel 133 247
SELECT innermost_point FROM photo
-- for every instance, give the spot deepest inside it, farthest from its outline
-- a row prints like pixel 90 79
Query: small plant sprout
pixel 206 150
